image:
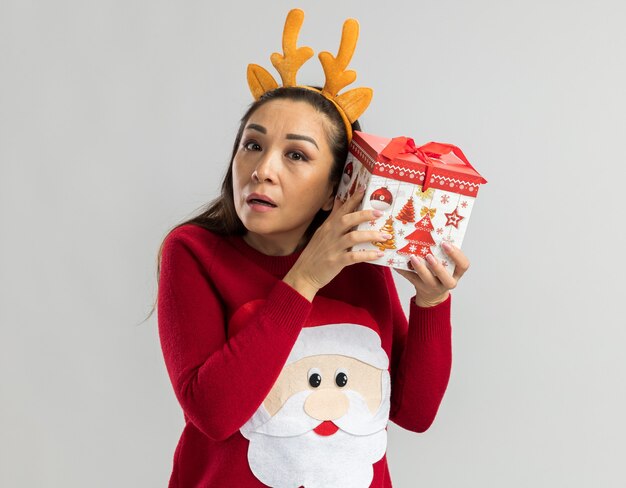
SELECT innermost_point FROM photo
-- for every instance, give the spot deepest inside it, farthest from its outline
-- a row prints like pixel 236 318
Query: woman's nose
pixel 265 169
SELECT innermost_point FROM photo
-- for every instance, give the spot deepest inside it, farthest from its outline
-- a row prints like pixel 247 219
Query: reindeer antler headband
pixel 350 104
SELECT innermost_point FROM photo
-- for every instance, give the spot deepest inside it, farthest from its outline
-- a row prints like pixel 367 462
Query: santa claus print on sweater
pixel 241 352
pixel 323 424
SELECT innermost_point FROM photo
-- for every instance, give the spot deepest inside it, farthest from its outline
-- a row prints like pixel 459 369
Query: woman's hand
pixel 327 253
pixel 433 282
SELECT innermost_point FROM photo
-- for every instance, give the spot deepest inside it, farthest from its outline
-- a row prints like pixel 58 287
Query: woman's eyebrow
pixel 257 127
pixel 302 138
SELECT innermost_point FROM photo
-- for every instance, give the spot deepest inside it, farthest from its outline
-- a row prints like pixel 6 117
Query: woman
pixel 288 352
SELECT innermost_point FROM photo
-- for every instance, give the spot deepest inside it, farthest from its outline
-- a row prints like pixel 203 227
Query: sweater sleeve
pixel 421 360
pixel 220 381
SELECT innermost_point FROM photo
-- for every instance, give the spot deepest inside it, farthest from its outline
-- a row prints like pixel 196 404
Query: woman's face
pixel 281 174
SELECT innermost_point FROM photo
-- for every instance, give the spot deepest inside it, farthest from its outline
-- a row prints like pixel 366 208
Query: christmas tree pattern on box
pixel 418 219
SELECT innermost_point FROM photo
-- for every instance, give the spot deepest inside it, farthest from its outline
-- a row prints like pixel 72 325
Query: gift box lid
pixel 434 164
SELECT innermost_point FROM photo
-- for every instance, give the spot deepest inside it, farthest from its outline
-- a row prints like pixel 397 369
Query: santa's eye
pixel 341 378
pixel 315 377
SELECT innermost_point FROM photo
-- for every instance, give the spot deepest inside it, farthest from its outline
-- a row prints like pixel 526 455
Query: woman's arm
pixel 422 354
pixel 219 381
pixel 421 360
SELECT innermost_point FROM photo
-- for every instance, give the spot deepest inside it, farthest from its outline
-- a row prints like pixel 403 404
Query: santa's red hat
pixel 335 327
pixel 332 327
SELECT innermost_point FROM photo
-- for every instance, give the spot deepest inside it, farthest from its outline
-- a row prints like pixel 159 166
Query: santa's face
pixel 322 425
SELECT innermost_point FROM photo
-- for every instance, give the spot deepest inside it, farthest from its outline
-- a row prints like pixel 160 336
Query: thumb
pixel 413 278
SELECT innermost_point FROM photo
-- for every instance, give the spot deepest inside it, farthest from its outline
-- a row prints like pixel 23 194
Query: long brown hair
pixel 219 215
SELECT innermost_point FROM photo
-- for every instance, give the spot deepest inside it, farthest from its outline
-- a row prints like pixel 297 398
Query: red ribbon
pixel 406 145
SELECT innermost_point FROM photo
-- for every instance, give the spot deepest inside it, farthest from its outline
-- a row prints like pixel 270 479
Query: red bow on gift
pixel 406 145
pixel 428 153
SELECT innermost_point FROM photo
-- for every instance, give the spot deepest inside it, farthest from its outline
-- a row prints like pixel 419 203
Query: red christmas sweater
pixel 280 391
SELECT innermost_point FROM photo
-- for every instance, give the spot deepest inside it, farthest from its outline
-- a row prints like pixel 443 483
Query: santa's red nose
pixel 326 428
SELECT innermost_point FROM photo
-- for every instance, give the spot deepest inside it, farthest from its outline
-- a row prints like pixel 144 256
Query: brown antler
pixel 334 68
pixel 353 102
pixel 294 57
pixel 350 104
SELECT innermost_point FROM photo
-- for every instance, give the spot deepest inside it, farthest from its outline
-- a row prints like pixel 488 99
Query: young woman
pixel 288 352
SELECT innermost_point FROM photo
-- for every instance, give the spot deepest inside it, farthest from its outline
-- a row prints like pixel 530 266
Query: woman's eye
pixel 297 156
pixel 251 146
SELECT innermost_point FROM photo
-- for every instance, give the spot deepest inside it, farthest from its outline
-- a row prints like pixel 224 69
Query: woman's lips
pixel 260 199
pixel 260 203
pixel 326 428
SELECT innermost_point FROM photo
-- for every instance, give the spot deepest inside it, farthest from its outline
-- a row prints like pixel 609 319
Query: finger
pixel 337 204
pixel 459 271
pixel 461 262
pixel 362 236
pixel 440 272
pixel 353 257
pixel 353 202
pixel 411 276
pixel 423 271
pixel 353 219
pixel 341 199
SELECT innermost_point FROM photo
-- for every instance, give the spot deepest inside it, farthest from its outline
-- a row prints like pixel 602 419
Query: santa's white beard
pixel 313 461
pixel 284 452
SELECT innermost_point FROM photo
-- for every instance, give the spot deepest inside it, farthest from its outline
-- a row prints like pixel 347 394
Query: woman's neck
pixel 276 246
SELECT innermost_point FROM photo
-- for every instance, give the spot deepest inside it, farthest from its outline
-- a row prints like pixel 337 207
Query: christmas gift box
pixel 426 195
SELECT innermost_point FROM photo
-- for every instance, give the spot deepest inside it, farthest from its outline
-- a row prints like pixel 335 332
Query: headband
pixel 350 104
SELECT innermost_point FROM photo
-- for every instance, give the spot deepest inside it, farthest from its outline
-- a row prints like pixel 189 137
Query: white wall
pixel 116 121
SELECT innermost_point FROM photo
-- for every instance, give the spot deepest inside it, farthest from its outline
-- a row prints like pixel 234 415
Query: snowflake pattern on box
pixel 417 217
pixel 403 193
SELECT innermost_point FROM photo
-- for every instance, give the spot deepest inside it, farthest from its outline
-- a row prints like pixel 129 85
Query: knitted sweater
pixel 230 332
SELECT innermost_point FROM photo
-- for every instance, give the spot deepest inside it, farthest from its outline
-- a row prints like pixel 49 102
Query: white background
pixel 116 122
